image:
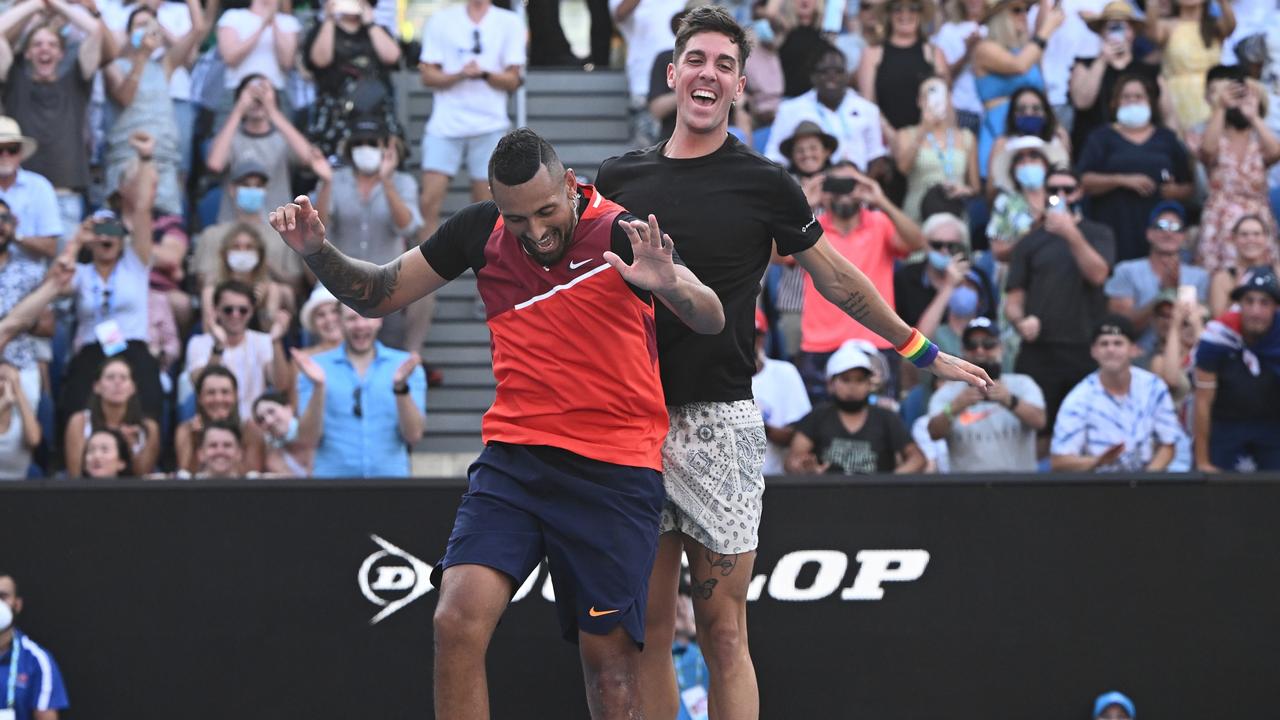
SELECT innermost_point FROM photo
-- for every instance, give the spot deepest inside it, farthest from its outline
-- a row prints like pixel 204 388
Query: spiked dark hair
pixel 713 18
pixel 518 156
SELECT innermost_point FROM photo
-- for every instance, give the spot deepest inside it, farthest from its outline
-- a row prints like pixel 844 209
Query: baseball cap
pixel 848 357
pixel 1106 700
pixel 245 168
pixel 1260 277
pixel 1115 325
pixel 1165 206
pixel 979 324
pixel 1167 296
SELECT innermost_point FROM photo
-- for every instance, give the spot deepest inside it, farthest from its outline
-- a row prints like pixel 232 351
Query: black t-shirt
pixel 353 57
pixel 872 449
pixel 1056 292
pixel 658 88
pixel 724 211
pixel 912 293
pixel 1100 112
pixel 796 55
pixel 1241 395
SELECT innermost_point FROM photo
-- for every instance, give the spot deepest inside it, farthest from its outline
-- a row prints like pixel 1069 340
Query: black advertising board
pixel 904 600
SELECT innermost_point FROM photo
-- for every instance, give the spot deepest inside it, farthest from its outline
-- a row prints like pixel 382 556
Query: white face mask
pixel 367 159
pixel 242 260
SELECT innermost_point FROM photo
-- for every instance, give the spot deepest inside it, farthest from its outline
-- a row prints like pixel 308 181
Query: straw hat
pixel 1114 10
pixel 995 7
pixel 10 132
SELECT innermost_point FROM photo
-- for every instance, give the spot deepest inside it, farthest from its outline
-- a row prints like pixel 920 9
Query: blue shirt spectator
pixel 39 684
pixel 30 196
pixel 363 433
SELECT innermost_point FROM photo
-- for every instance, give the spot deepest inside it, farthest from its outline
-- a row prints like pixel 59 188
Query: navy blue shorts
pixel 595 522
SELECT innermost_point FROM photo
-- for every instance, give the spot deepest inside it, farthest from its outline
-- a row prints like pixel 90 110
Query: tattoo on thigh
pixel 702 590
pixel 726 563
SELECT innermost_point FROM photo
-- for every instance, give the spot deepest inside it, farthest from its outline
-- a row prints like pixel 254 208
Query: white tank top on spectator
pixel 450 40
pixel 121 297
pixel 261 60
pixel 647 31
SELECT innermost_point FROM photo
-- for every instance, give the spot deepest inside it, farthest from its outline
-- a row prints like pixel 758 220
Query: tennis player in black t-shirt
pixel 725 207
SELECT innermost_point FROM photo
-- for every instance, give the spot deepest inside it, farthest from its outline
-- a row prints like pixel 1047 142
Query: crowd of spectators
pixel 1077 196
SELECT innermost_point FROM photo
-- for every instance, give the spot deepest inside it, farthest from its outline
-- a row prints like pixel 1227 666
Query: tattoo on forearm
pixel 361 285
pixel 721 564
pixel 855 305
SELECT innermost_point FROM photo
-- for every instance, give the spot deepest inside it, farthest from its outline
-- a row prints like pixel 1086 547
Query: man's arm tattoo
pixel 855 305
pixel 360 285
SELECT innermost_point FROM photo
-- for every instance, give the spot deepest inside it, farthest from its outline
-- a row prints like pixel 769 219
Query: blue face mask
pixel 939 260
pixel 1029 124
pixel 136 37
pixel 763 30
pixel 250 199
pixel 1134 116
pixel 1030 176
pixel 963 302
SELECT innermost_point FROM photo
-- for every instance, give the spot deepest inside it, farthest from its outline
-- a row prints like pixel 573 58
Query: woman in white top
pixel 111 294
pixel 114 405
pixel 19 430
pixel 258 40
pixel 956 39
pixel 243 254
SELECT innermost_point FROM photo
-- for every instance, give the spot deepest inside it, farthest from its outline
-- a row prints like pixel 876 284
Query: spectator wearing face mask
pixel 1018 209
pixel 1236 148
pixel 369 212
pixel 943 286
pixel 257 131
pixel 867 228
pixel 1093 79
pixel 248 197
pixel 1129 166
pixel 937 153
pixel 1030 116
pixel 243 260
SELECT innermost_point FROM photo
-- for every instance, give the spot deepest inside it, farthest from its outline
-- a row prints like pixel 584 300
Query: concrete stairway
pixel 585 116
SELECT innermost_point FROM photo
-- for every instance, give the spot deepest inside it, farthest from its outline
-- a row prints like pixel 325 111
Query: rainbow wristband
pixel 918 349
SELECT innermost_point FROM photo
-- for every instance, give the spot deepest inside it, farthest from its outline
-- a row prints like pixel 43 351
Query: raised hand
pixel 651 251
pixel 299 226
pixel 143 143
pixel 390 161
pixel 307 366
pixel 280 324
pixel 406 368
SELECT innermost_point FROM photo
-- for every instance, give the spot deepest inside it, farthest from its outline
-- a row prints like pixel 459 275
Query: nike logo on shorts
pixel 593 612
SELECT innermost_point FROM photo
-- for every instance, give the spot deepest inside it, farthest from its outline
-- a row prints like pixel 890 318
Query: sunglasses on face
pixel 11 149
pixel 906 7
pixel 1168 225
pixel 950 248
pixel 235 309
pixel 985 344
pixel 1061 189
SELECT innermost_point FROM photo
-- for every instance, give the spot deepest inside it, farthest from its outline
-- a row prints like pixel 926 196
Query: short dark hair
pixel 220 425
pixel 821 52
pixel 1062 170
pixel 233 286
pixel 244 82
pixel 122 447
pixel 222 371
pixel 270 396
pixel 136 12
pixel 518 156
pixel 713 18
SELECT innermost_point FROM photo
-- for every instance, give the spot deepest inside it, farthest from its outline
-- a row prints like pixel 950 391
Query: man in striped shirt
pixel 1120 417
pixel 30 683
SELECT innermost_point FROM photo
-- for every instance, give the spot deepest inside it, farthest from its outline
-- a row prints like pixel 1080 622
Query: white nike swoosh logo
pixel 580 263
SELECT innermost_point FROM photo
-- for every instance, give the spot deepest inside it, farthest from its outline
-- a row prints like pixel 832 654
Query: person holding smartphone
pixel 871 232
pixel 1094 79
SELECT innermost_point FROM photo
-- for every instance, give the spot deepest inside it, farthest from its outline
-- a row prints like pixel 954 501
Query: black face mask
pixel 846 210
pixel 850 406
pixel 1236 119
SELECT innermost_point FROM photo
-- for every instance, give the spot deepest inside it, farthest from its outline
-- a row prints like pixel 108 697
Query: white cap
pixel 320 295
pixel 848 357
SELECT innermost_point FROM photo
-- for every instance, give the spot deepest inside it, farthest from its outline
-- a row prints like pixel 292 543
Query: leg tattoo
pixel 725 564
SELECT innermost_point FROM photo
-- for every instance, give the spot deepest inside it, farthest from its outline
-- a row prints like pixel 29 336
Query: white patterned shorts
pixel 712 461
